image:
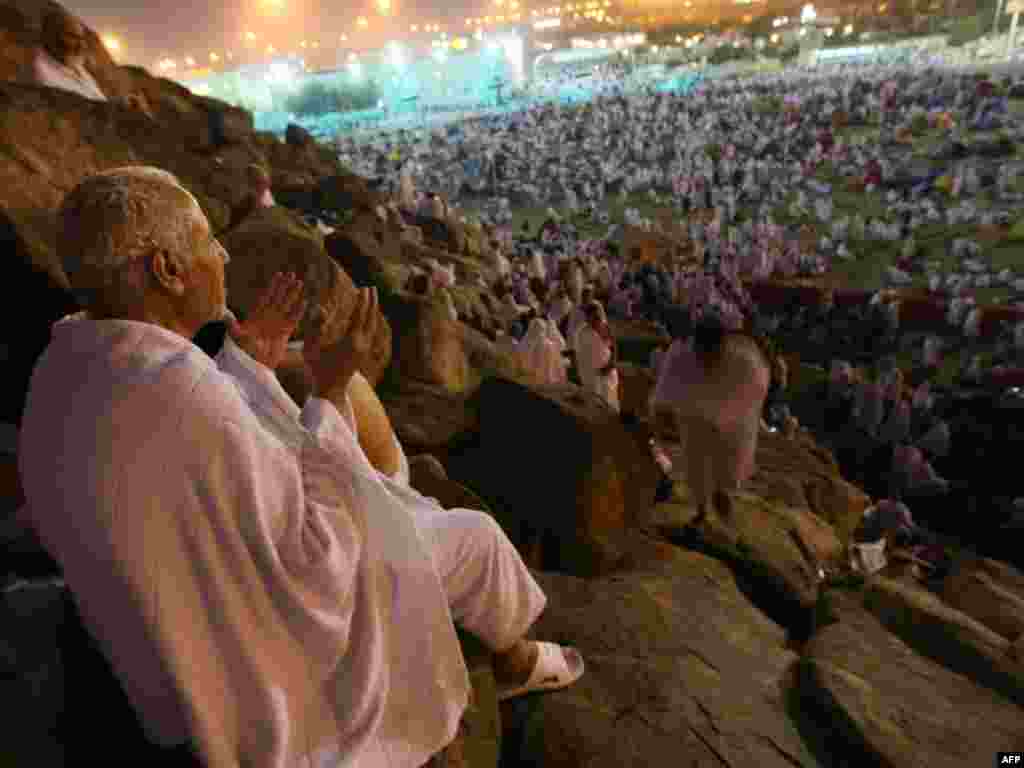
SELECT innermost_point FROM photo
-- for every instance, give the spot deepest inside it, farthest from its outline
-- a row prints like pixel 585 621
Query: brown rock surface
pixel 427 419
pixel 428 343
pixel 802 474
pixel 944 634
pixel 991 592
pixel 681 670
pixel 901 709
pixel 429 477
pixel 558 466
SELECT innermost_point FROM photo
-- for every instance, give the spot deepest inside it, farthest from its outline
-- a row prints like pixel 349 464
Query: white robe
pixel 252 580
pixel 49 72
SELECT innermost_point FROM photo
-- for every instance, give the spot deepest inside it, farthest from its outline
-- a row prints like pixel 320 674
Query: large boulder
pixel 274 239
pixel 775 549
pixel 370 253
pixel 561 472
pixel 944 634
pixel 681 670
pixel 890 706
pixel 803 474
pixel 428 343
pixel 989 591
pixel 427 419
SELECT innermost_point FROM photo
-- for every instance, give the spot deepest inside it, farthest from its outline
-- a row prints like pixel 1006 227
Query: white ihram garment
pixel 49 72
pixel 254 583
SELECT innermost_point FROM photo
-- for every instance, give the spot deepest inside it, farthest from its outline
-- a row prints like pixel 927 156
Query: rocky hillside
pixel 718 644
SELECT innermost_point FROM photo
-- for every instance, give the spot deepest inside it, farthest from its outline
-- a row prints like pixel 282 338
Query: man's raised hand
pixel 333 363
pixel 270 324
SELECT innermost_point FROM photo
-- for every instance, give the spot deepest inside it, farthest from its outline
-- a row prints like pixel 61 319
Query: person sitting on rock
pixel 60 61
pixel 716 384
pixel 259 589
pixel 258 195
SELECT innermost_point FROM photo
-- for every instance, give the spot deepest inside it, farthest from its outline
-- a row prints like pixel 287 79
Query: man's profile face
pixel 205 299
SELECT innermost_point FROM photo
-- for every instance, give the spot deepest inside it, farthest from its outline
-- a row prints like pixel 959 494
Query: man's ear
pixel 168 270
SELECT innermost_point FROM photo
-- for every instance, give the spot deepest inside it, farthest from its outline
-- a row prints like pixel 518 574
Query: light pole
pixel 995 19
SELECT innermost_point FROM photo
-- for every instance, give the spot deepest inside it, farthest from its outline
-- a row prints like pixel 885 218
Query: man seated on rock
pixel 258 588
pixel 60 61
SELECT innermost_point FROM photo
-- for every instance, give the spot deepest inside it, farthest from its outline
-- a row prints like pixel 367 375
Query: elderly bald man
pixel 260 591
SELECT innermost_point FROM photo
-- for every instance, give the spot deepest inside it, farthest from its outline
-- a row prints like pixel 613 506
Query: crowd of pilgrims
pixel 742 158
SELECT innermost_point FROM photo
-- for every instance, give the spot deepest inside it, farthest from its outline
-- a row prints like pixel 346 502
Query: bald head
pixel 112 221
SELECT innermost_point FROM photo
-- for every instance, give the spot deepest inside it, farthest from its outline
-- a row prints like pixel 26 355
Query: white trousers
pixel 491 592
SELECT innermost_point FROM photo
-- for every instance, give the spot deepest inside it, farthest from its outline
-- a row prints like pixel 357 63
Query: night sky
pixel 152 29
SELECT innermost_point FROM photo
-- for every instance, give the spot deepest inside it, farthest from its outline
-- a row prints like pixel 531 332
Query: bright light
pixel 397 59
pixel 848 29
pixel 344 38
pixel 514 5
pixel 214 57
pixel 380 103
pixel 440 54
pixel 274 7
pixel 362 22
pixel 493 47
pixel 803 33
pixel 808 14
pixel 384 6
pixel 774 38
pixel 250 36
pixel 414 28
pixel 437 75
pixel 112 44
pixel 515 56
pixel 189 61
pixel 547 24
pixel 829 32
pixel 354 68
pixel 271 49
pixel 478 35
pixel 303 44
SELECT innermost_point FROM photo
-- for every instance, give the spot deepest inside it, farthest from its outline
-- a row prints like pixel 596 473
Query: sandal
pixel 556 668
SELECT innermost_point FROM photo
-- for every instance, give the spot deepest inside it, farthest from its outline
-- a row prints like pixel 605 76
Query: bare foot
pixel 515 665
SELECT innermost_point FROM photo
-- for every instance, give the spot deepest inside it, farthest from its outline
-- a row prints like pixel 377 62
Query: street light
pixel 808 14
